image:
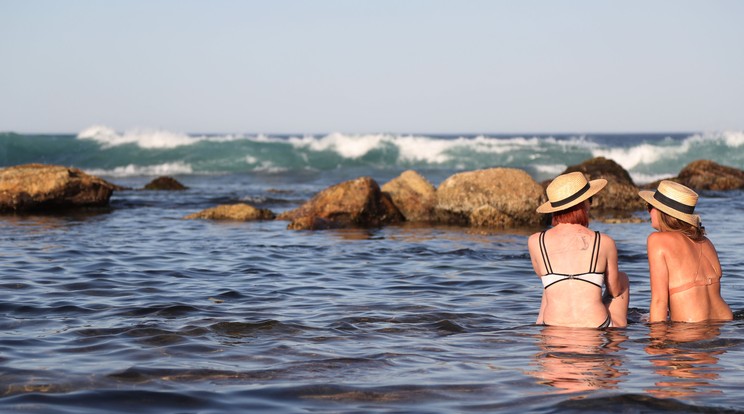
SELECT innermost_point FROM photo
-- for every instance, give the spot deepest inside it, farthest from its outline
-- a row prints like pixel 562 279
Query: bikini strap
pixel 595 253
pixel 695 281
pixel 544 253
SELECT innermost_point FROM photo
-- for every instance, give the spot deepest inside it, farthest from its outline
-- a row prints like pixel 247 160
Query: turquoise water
pixel 102 151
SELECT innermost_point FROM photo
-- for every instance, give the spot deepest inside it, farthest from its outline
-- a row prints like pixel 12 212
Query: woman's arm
pixel 615 284
pixel 534 249
pixel 539 320
pixel 659 277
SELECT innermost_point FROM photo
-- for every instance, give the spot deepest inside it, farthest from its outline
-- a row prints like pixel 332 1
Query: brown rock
pixel 353 203
pixel 239 212
pixel 496 197
pixel 413 195
pixel 34 187
pixel 620 197
pixel 165 183
pixel 708 175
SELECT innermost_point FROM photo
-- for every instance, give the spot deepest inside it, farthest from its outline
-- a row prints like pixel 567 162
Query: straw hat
pixel 674 199
pixel 568 190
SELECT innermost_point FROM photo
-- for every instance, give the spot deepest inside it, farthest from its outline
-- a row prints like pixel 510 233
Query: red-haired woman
pixel 576 263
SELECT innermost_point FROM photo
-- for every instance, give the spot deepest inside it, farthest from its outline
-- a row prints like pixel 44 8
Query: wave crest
pixel 144 138
pixel 174 168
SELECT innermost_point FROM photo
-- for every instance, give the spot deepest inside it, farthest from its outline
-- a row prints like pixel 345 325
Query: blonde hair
pixel 670 223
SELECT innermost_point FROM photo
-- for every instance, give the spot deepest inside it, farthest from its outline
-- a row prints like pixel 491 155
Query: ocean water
pixel 133 309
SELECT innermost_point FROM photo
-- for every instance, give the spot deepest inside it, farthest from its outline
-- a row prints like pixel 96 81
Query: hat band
pixel 571 198
pixel 682 208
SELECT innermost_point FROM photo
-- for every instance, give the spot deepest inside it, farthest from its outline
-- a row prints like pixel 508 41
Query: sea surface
pixel 132 309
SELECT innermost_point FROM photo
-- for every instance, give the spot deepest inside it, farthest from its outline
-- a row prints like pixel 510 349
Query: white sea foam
pixel 144 138
pixel 348 146
pixel 734 138
pixel 640 178
pixel 643 154
pixel 433 150
pixel 551 170
pixel 147 138
pixel 175 168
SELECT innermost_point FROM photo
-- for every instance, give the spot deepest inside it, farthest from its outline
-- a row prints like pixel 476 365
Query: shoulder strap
pixel 544 253
pixel 695 281
pixel 595 253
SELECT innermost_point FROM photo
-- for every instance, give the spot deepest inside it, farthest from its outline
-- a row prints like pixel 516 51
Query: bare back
pixel 685 279
pixel 569 250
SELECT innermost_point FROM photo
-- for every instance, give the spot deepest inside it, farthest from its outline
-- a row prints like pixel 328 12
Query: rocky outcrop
pixel 165 183
pixel 619 198
pixel 413 195
pixel 238 212
pixel 40 187
pixel 353 203
pixel 708 175
pixel 496 197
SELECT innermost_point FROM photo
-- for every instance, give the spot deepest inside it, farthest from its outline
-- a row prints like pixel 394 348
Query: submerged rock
pixel 413 195
pixel 165 183
pixel 239 212
pixel 496 197
pixel 35 187
pixel 353 203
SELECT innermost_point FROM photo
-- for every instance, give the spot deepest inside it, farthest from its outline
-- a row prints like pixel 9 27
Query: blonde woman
pixel 574 263
pixel 684 268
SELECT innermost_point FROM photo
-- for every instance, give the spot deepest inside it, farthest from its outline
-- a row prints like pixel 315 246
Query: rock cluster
pixel 493 197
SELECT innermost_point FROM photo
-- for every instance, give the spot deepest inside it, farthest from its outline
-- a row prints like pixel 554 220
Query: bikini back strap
pixel 702 282
pixel 544 253
pixel 595 253
pixel 695 281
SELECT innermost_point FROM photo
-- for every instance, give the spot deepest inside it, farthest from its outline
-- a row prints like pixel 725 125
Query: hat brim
pixel 648 196
pixel 595 186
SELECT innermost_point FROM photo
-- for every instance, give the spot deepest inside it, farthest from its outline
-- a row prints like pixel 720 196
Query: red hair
pixel 573 215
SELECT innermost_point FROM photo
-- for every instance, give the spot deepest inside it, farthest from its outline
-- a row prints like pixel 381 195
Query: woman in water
pixel 574 262
pixel 684 268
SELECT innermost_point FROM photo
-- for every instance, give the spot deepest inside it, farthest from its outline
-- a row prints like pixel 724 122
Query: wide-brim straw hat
pixel 674 199
pixel 568 190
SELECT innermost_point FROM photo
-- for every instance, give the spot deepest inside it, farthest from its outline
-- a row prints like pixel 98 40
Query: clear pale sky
pixel 398 66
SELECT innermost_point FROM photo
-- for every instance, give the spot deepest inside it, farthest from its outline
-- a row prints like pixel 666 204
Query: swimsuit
pixel 695 281
pixel 592 276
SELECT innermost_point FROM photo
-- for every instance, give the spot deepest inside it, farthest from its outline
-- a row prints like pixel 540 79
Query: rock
pixel 496 197
pixel 353 203
pixel 239 212
pixel 619 198
pixel 313 223
pixel 413 195
pixel 708 175
pixel 34 187
pixel 165 183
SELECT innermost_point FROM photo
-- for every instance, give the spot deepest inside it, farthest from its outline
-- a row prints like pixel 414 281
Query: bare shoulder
pixel 607 240
pixel 664 240
pixel 533 240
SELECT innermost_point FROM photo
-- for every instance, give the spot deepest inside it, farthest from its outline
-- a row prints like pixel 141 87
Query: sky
pixel 382 66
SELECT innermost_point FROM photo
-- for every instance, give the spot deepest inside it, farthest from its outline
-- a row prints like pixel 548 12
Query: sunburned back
pixel 694 280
